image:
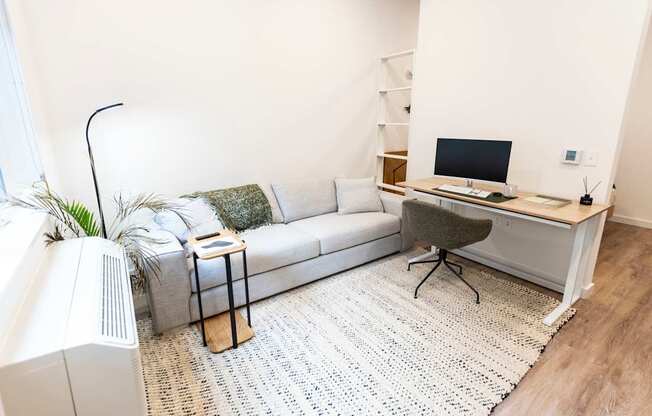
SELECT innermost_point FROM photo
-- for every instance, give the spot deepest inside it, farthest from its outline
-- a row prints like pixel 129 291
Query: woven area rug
pixel 358 343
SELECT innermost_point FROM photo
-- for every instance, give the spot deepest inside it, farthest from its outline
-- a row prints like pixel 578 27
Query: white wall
pixel 634 198
pixel 217 93
pixel 545 75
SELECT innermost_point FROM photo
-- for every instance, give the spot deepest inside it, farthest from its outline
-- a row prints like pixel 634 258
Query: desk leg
pixel 246 282
pixel 572 278
pixel 201 309
pixel 229 286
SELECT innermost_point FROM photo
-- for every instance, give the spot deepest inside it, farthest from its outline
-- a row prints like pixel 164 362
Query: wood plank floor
pixel 600 363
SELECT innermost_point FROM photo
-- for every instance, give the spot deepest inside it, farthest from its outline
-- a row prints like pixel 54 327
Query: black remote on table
pixel 205 236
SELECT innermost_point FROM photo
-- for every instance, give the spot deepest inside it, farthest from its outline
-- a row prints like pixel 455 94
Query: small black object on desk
pixel 587 199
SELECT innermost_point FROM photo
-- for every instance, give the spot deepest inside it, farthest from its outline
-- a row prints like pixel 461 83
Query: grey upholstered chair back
pixel 441 227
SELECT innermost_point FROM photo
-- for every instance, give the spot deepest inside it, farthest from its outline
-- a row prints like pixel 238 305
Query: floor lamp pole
pixel 90 156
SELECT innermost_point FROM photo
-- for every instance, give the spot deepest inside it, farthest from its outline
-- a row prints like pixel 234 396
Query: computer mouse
pixel 497 194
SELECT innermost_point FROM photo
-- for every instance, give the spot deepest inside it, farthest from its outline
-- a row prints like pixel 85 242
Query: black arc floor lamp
pixel 90 156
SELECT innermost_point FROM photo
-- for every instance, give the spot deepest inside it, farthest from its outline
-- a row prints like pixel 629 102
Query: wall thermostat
pixel 572 157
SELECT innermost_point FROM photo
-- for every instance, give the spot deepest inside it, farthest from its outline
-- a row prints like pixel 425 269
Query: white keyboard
pixel 479 193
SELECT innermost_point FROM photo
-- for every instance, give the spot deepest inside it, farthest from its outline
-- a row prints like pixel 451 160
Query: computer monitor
pixel 486 160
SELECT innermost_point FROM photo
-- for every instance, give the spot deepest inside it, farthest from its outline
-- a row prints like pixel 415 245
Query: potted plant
pixel 72 219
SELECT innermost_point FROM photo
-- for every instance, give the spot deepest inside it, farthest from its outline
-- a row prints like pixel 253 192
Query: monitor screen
pixel 485 160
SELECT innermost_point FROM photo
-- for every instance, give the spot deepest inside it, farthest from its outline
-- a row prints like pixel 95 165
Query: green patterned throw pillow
pixel 240 208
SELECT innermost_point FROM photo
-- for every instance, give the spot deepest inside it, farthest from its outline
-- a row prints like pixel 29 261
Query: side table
pixel 226 253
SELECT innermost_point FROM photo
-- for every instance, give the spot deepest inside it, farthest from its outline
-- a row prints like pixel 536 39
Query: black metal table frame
pixel 229 285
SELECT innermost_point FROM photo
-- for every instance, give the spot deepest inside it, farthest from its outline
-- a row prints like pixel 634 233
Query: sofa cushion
pixel 338 232
pixel 357 195
pixel 306 198
pixel 268 248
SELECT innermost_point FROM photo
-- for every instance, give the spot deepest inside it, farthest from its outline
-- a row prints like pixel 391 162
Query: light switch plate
pixel 590 159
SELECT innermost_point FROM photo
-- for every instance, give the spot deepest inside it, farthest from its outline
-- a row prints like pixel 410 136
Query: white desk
pixel 583 222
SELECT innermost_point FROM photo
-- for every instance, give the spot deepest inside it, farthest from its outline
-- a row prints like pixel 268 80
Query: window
pixel 3 188
pixel 20 165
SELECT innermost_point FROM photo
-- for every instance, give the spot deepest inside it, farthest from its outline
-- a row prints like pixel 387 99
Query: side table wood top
pixel 193 242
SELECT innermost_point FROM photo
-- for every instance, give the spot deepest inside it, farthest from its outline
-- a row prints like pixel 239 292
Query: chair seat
pixel 268 248
pixel 338 232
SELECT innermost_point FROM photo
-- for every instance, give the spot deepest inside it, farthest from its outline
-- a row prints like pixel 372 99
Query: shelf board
pixel 383 124
pixel 391 187
pixel 386 90
pixel 397 54
pixel 392 156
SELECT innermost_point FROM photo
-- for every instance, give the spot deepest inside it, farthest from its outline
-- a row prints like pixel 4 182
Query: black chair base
pixel 442 258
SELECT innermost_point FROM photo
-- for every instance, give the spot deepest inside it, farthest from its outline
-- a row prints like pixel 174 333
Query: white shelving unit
pixel 397 55
pixel 385 91
pixel 385 94
pixel 392 156
pixel 390 187
pixel 384 124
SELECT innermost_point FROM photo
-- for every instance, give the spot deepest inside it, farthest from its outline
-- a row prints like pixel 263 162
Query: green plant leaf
pixel 83 216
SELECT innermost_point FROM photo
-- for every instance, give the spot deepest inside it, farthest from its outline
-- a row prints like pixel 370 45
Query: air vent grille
pixel 114 317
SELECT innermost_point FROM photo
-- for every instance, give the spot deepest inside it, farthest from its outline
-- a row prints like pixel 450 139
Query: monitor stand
pixel 468 183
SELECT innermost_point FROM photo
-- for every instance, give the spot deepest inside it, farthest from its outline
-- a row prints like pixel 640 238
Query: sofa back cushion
pixel 305 199
pixel 357 195
pixel 199 213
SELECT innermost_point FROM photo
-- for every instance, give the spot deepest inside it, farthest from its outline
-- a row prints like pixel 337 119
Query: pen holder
pixel 586 200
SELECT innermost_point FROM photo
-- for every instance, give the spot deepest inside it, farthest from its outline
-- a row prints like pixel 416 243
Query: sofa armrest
pixel 169 296
pixel 393 204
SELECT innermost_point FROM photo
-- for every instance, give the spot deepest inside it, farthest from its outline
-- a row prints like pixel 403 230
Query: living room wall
pixel 217 93
pixel 633 199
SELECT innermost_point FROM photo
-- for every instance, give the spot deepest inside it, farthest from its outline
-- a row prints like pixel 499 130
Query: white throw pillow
pixel 200 214
pixel 357 195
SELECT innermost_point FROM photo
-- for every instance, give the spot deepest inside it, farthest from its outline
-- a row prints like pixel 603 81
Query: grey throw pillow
pixel 357 195
pixel 306 198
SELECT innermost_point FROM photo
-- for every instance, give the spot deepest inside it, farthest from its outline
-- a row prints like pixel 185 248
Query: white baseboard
pixel 587 291
pixel 638 222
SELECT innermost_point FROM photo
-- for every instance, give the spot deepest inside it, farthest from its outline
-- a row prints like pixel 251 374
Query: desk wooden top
pixel 572 214
pixel 218 253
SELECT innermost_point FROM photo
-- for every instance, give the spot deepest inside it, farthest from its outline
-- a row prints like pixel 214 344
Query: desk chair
pixel 446 231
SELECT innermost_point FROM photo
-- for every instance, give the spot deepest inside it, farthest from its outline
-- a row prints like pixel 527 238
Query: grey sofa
pixel 308 241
